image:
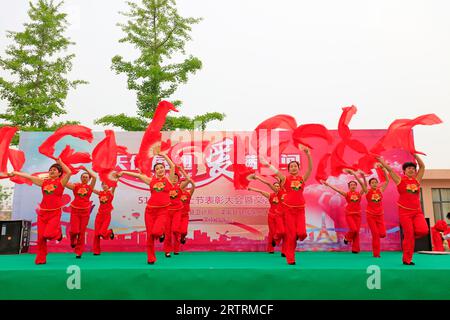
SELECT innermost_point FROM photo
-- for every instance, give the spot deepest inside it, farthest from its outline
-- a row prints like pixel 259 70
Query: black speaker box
pixel 14 236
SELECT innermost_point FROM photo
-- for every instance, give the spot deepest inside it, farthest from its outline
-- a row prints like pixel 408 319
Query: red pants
pixel 172 240
pixel 79 219
pixel 155 222
pixel 378 230
pixel 354 224
pixel 102 221
pixel 414 226
pixel 180 228
pixel 272 223
pixel 295 225
pixel 49 228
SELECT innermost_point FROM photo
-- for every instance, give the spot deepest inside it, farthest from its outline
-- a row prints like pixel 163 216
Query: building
pixel 436 195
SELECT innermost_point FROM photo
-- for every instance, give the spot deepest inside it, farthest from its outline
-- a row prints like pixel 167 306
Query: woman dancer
pixel 81 209
pixel 181 222
pixel 375 212
pixel 103 218
pixel 156 211
pixel 49 211
pixel 412 219
pixel 275 217
pixel 172 240
pixel 353 209
pixel 295 220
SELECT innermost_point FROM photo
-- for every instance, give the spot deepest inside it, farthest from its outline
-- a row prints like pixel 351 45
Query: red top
pixel 275 202
pixel 106 199
pixel 186 199
pixel 294 187
pixel 82 193
pixel 374 202
pixel 409 190
pixel 159 189
pixel 353 202
pixel 52 192
pixel 175 197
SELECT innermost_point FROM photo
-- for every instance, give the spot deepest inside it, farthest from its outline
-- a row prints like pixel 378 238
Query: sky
pixel 308 59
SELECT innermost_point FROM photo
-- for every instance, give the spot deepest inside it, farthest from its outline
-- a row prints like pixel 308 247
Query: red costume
pixel 412 219
pixel 172 241
pixel 353 217
pixel 103 219
pixel 156 213
pixel 295 222
pixel 375 218
pixel 49 217
pixel 437 231
pixel 181 221
pixel 79 217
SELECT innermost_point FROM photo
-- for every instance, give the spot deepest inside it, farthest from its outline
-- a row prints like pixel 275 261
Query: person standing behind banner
pixel 172 241
pixel 103 218
pixel 353 209
pixel 275 220
pixel 412 219
pixel 49 211
pixel 295 220
pixel 375 211
pixel 80 210
pixel 156 211
pixel 181 222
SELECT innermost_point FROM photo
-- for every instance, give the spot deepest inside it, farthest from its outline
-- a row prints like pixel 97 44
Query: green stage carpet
pixel 225 275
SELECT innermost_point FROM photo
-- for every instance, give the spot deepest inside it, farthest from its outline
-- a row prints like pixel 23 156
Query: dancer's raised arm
pixel 394 176
pixel 264 193
pixel 273 169
pixel 35 180
pixel 362 182
pixel 421 171
pixel 341 192
pixel 310 164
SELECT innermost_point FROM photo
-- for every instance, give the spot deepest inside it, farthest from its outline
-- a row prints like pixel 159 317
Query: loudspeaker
pixel 15 236
pixel 424 243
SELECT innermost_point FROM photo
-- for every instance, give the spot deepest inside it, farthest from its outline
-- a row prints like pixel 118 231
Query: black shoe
pixel 96 254
pixel 345 241
pixel 355 252
pixel 167 255
pixel 176 253
pixel 60 238
pixel 183 240
pixel 112 235
pixel 291 264
pixel 283 255
pixel 274 243
pixel 409 264
pixel 161 239
pixel 78 257
pixel 150 262
pixel 271 252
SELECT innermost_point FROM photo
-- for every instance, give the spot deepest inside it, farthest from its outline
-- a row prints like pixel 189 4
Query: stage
pixel 225 275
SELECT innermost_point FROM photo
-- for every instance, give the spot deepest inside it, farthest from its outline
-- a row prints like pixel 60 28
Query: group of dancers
pixel 167 210
pixel 166 214
pixel 286 217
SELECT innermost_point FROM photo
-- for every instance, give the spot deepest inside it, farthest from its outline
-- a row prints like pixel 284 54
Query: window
pixel 441 204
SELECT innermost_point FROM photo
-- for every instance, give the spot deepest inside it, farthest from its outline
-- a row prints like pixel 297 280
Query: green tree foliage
pixel 159 33
pixel 38 68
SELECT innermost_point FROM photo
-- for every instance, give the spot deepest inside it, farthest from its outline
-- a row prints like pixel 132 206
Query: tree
pixel 159 33
pixel 38 68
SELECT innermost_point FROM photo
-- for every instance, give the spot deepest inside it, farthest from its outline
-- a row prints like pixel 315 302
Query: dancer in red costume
pixel 412 219
pixel 353 209
pixel 281 217
pixel 275 215
pixel 172 240
pixel 49 212
pixel 375 211
pixel 103 218
pixel 181 222
pixel 294 201
pixel 156 212
pixel 80 210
